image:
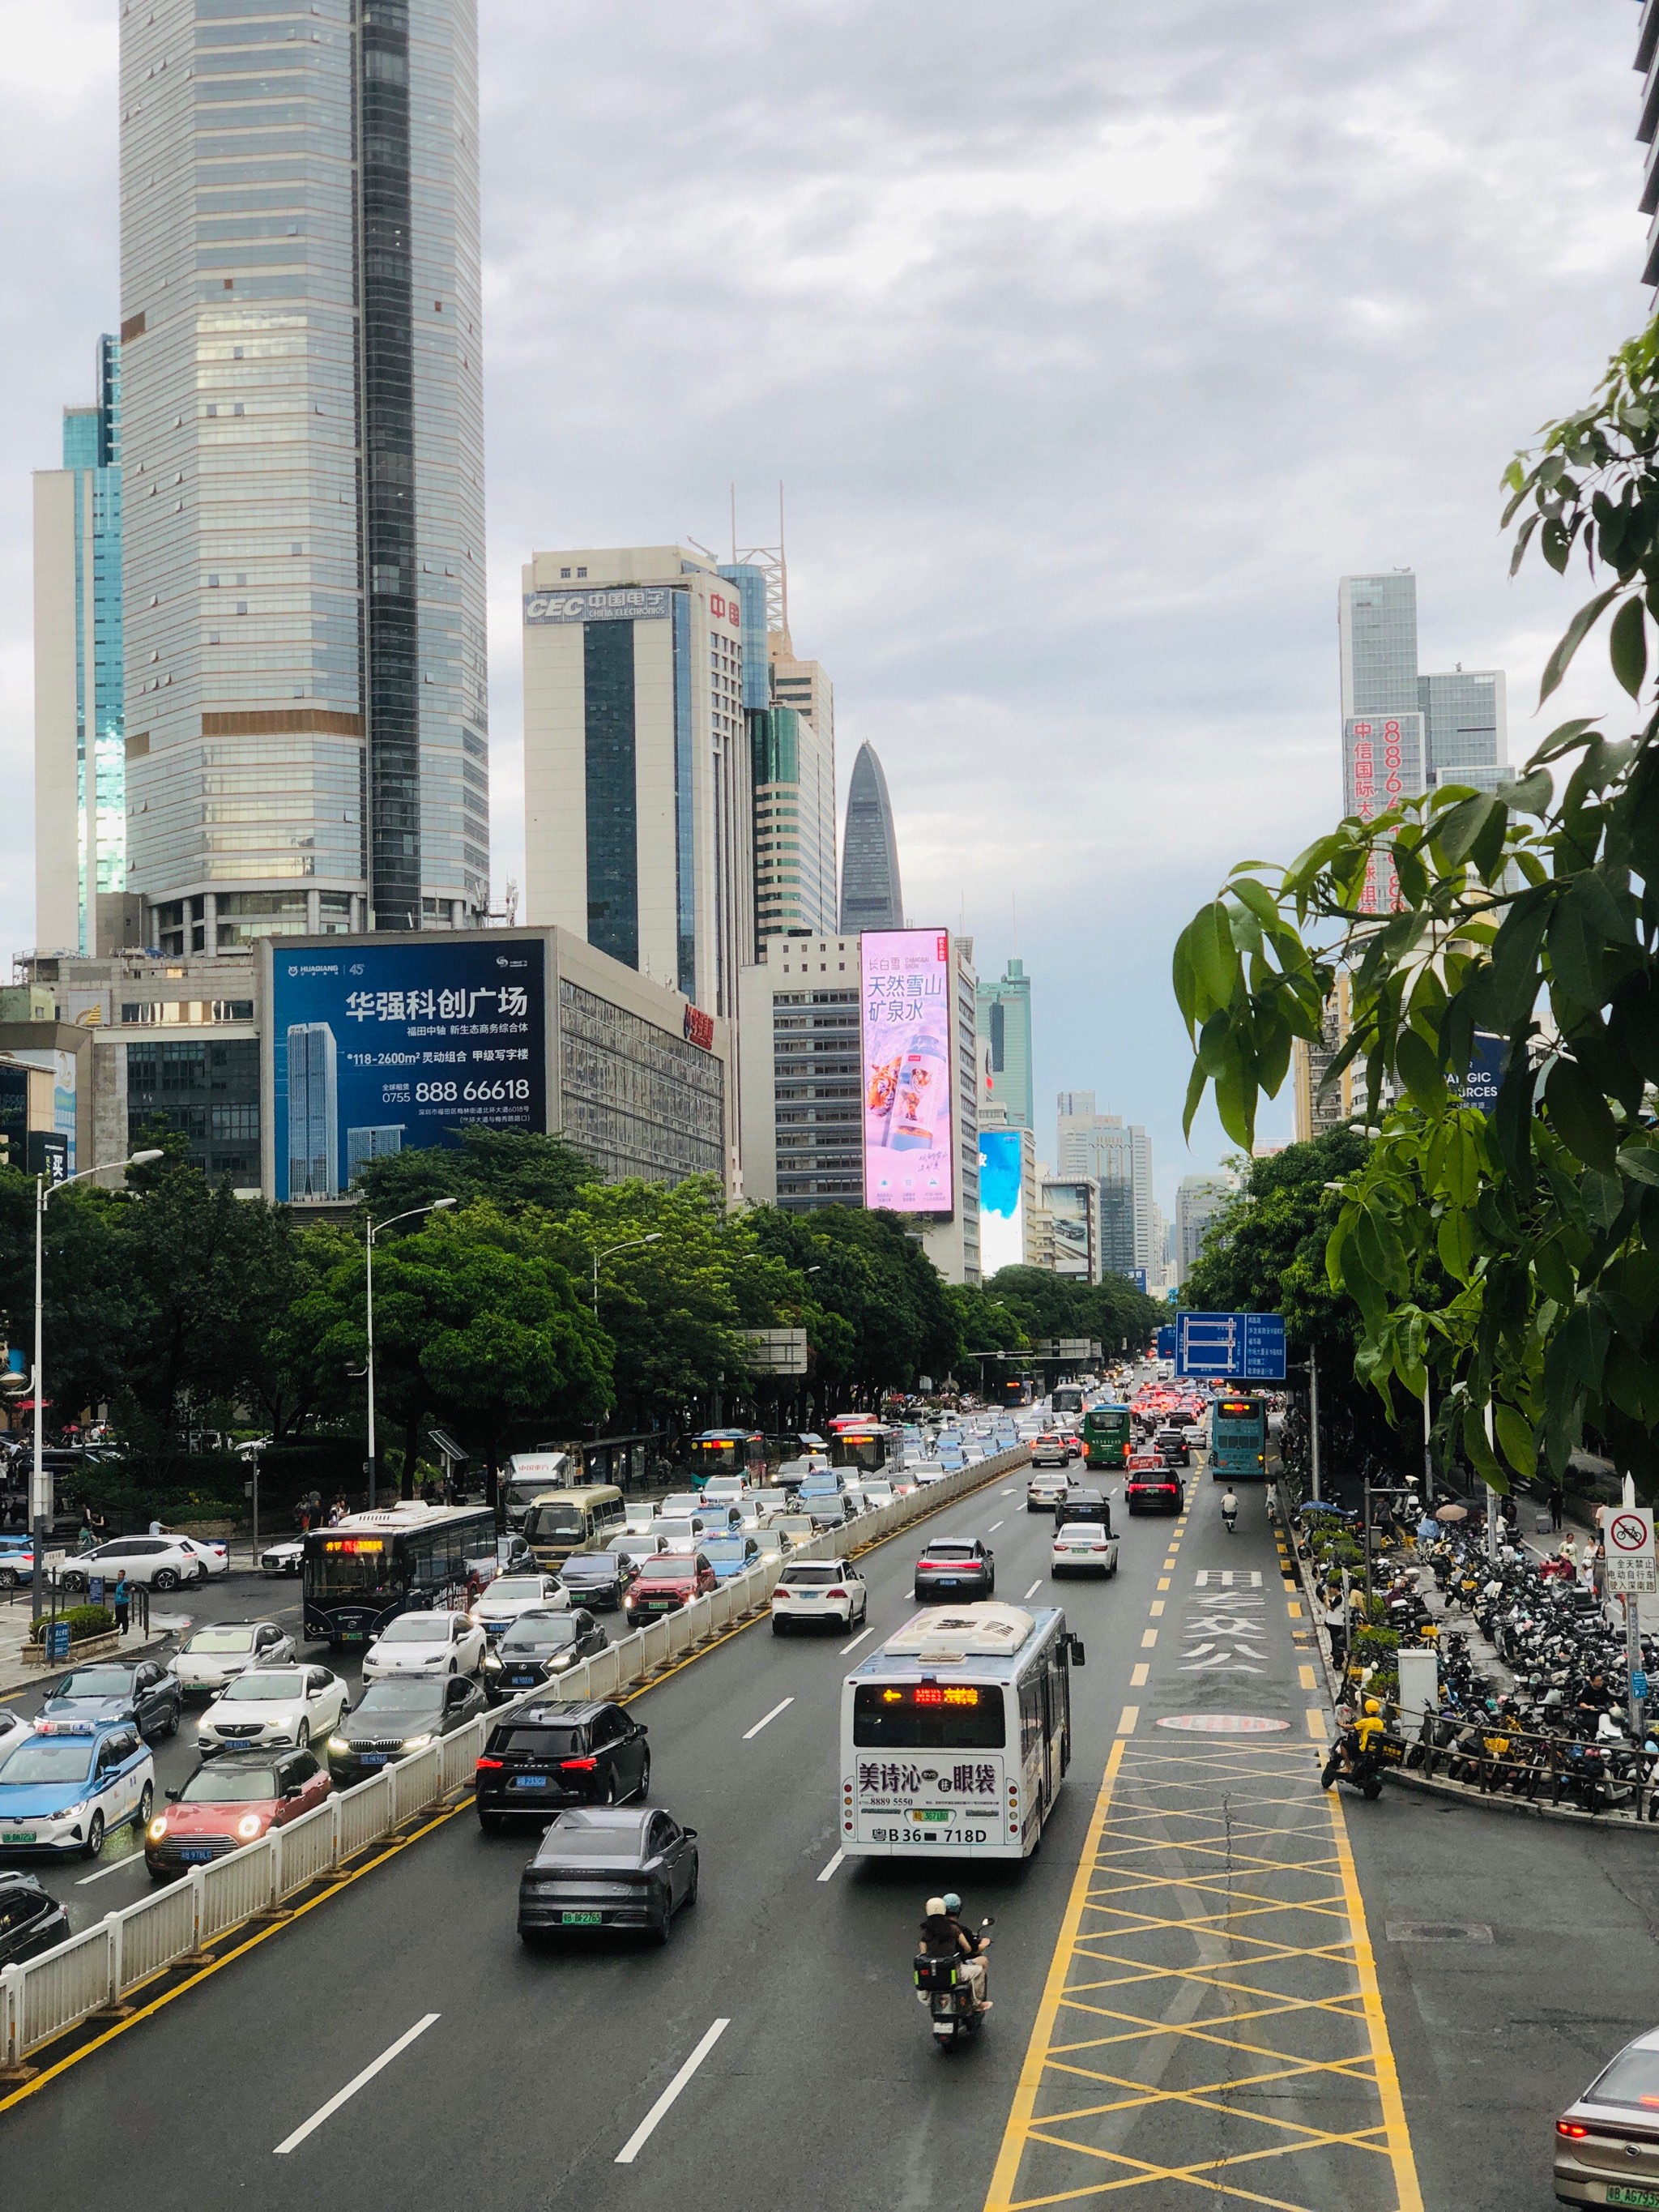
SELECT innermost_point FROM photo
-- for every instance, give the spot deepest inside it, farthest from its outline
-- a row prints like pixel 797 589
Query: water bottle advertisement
pixel 908 1028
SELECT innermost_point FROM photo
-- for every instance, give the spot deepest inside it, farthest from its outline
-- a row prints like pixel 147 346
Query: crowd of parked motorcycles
pixel 1560 1735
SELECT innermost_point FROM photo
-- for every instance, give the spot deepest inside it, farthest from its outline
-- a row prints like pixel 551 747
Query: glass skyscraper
pixel 306 721
pixel 871 897
pixel 1005 1036
pixel 80 758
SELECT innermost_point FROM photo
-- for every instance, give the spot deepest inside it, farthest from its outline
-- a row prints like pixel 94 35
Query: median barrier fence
pixel 47 1996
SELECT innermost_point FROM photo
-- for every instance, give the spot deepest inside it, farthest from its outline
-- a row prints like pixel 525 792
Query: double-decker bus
pixel 956 1735
pixel 1107 1435
pixel 1238 1439
pixel 370 1567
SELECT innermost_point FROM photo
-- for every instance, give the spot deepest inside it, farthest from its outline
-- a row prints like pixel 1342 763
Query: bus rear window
pixel 927 1717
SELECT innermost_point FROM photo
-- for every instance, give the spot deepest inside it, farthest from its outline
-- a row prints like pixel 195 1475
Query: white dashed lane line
pixel 782 1706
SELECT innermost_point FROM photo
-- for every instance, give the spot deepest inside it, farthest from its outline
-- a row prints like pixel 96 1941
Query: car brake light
pixel 1571 2128
pixel 577 1765
pixel 492 1764
pixel 835 1593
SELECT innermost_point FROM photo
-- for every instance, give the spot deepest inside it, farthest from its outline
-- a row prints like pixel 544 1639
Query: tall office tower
pixel 80 762
pixel 313 1145
pixel 1198 1200
pixel 1647 130
pixel 638 804
pixel 307 736
pixel 1004 1036
pixel 871 897
pixel 1383 752
pixel 1466 726
pixel 1119 1160
pixel 790 708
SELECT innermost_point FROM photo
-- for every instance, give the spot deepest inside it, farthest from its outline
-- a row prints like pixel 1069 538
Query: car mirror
pixel 1076 1643
pixel 174 1795
pixel 688 1835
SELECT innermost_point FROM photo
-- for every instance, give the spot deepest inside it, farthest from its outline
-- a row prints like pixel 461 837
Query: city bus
pixel 859 1440
pixel 1066 1401
pixel 726 1451
pixel 1106 1436
pixel 956 1735
pixel 370 1567
pixel 1238 1439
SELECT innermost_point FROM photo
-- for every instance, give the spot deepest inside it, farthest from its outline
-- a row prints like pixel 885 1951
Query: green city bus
pixel 1106 1436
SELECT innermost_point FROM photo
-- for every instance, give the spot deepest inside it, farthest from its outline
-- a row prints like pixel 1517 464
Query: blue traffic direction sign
pixel 1231 1347
pixel 1638 1683
pixel 1166 1342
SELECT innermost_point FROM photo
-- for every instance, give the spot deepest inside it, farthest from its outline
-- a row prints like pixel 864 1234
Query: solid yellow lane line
pixel 1387 2079
pixel 999 2198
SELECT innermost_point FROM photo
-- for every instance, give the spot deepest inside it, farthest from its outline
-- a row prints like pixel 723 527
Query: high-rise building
pixel 790 707
pixel 638 801
pixel 80 759
pixel 313 1145
pixel 1004 1036
pixel 1198 1200
pixel 871 897
pixel 1466 726
pixel 1647 130
pixel 302 448
pixel 1118 1160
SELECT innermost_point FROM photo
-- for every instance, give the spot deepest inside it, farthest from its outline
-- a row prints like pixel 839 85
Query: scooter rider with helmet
pixel 944 1936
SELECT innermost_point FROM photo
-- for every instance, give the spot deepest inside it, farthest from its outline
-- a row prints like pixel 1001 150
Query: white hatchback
pixel 426 1643
pixel 217 1654
pixel 819 1589
pixel 277 1705
pixel 1083 1548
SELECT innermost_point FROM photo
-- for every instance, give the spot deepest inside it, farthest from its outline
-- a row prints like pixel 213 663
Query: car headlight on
pixel 562 1658
pixel 71 1813
pixel 249 1827
pixel 337 1743
pixel 157 1828
pixel 492 1664
pixel 416 1742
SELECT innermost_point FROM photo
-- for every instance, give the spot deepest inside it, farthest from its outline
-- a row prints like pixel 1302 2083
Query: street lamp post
pixel 373 1228
pixel 39 1497
pixel 655 1237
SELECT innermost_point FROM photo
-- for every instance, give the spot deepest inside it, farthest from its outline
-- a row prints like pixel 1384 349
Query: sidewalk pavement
pixel 14 1624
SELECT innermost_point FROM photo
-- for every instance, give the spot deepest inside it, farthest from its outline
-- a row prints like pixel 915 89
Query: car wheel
pixel 95 1842
pixel 644 1789
pixel 302 1737
pixel 175 1715
pixel 74 1582
pixel 7 1578
pixel 165 1579
pixel 158 1873
pixel 146 1806
pixel 491 1825
pixel 779 1624
pixel 692 1894
pixel 664 1926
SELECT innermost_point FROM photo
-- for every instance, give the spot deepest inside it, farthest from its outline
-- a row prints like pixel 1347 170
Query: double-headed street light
pixel 372 1230
pixel 40 1503
pixel 655 1237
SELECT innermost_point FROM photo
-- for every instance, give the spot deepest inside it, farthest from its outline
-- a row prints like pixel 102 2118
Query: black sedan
pixel 113 1691
pixel 955 1566
pixel 1173 1447
pixel 538 1649
pixel 608 1866
pixel 579 1753
pixel 31 1920
pixel 600 1579
pixel 396 1718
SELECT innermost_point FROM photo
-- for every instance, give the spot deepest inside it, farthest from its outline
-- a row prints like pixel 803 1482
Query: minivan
pixel 562 1522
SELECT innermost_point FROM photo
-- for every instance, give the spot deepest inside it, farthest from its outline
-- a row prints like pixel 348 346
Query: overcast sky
pixel 1093 343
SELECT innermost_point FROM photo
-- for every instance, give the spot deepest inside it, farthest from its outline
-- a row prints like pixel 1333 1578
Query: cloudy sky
pixel 1093 344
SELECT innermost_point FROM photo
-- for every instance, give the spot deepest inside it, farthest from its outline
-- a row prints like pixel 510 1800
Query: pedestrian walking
pixel 1556 1501
pixel 123 1598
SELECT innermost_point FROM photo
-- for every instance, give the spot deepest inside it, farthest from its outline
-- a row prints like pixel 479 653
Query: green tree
pixel 873 1277
pixel 511 1168
pixel 1112 1312
pixel 1531 914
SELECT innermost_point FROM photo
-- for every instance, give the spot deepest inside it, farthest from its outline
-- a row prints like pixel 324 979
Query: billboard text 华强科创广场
pixel 907 1030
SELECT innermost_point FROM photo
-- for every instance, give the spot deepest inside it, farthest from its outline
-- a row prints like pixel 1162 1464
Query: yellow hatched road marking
pixel 1117 2092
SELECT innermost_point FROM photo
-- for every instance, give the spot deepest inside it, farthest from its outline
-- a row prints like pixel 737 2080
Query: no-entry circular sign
pixel 1627 1532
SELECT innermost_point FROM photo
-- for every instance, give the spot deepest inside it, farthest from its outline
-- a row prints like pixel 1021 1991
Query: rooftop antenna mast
pixel 773 564
pixel 734 525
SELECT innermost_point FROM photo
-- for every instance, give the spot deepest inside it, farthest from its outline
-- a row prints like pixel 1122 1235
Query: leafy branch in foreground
pixel 1512 1257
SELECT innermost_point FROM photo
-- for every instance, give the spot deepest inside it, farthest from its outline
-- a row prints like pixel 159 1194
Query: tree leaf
pixel 1515 1434
pixel 1572 637
pixel 1209 940
pixel 1580 1115
pixel 1419 1070
pixel 1531 795
pixel 1627 647
pixel 1640 1161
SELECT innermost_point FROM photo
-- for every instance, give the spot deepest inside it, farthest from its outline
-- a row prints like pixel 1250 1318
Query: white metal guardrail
pixel 42 1998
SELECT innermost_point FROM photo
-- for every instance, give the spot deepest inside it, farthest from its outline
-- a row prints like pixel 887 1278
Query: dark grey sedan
pixel 608 1866
pixel 113 1691
pixel 395 1719
pixel 600 1579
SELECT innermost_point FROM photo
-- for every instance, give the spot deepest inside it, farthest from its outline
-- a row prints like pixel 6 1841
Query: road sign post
pixel 1631 1571
pixel 1231 1347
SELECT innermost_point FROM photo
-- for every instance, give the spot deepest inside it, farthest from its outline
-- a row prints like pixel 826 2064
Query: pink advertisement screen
pixel 908 1030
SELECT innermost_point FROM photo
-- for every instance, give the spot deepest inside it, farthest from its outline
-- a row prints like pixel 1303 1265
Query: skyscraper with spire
pixel 870 895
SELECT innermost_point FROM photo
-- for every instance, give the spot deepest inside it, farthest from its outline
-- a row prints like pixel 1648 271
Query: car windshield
pixel 537 1634
pixel 96 1682
pixel 547 1522
pixel 37 1760
pixel 807 1576
pixel 634 1546
pixel 562 1842
pixel 398 1698
pixel 589 1566
pixel 727 1547
pixel 513 1587
pixel 681 1501
pixel 266 1689
pixel 214 1785
pixel 669 1566
pixel 207 1640
pixel 1632 2079
pixel 1085 1530
pixel 416 1628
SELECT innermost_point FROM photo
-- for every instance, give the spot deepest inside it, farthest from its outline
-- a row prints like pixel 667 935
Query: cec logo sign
pixel 1631 1568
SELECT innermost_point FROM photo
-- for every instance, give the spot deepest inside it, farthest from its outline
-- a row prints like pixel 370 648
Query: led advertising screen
pixel 374 1047
pixel 1068 1205
pixel 1001 1200
pixel 907 1033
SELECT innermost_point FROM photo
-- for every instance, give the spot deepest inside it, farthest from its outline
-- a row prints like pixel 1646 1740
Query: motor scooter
pixel 949 1995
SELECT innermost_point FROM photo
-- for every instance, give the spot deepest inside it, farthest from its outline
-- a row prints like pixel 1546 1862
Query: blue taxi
pixel 68 1783
pixel 16 1560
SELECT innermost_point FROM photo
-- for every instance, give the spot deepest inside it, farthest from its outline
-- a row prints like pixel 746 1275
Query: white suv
pixel 426 1643
pixel 819 1589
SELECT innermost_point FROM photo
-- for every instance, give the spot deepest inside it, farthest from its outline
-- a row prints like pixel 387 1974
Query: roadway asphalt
pixel 824 2086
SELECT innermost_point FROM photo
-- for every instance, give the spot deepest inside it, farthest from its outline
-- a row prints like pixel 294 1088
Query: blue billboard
pixel 1166 1342
pixel 377 1046
pixel 1001 1200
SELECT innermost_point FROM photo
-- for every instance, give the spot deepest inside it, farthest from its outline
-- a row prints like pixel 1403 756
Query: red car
pixel 231 1801
pixel 1151 1486
pixel 666 1582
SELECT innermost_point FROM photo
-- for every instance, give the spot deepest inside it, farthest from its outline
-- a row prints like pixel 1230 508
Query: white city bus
pixel 956 1735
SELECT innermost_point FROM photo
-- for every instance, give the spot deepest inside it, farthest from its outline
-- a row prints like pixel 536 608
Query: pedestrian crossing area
pixel 1226 1578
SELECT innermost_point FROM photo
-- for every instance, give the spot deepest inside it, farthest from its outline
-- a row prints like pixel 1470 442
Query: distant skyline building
pixel 1647 131
pixel 306 720
pixel 313 1145
pixel 1004 1034
pixel 872 896
pixel 1118 1158
pixel 1466 726
pixel 793 767
pixel 638 795
pixel 1200 1199
pixel 80 757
